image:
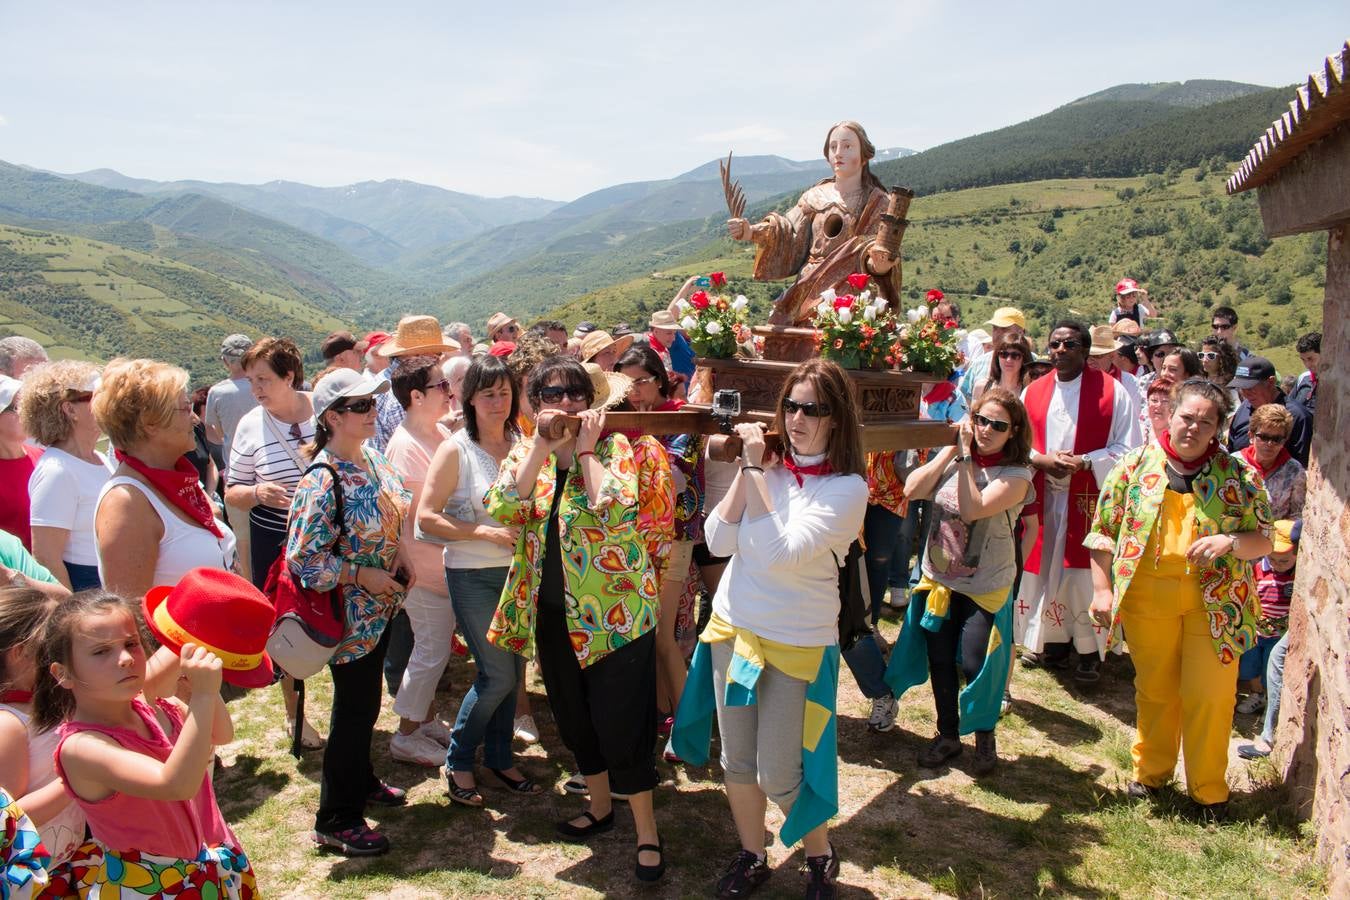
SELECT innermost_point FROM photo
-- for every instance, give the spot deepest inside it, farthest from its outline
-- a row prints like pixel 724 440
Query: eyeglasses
pixel 997 424
pixel 441 385
pixel 1221 326
pixel 1010 354
pixel 1269 438
pixel 650 379
pixel 1209 354
pixel 360 407
pixel 1066 344
pixel 814 410
pixel 555 394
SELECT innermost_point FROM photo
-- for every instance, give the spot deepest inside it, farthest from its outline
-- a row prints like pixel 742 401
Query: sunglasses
pixel 555 394
pixel 997 424
pixel 814 410
pixel 650 379
pixel 440 385
pixel 1160 353
pixel 1067 345
pixel 1009 354
pixel 360 407
pixel 1221 326
pixel 1268 438
pixel 1209 354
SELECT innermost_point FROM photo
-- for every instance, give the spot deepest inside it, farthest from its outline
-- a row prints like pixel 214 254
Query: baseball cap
pixel 1127 286
pixel 335 343
pixel 235 346
pixel 1252 371
pixel 1285 533
pixel 344 384
pixel 371 341
pixel 1006 317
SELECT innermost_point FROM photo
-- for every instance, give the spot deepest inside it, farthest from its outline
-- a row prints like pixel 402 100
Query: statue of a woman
pixel 828 235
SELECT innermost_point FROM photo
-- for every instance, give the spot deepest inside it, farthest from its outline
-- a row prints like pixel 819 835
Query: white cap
pixel 343 385
pixel 9 389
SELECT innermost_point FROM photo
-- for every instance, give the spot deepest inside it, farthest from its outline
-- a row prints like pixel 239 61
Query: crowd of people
pixel 1109 485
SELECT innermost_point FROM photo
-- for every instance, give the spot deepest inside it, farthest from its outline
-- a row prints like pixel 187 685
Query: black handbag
pixel 854 604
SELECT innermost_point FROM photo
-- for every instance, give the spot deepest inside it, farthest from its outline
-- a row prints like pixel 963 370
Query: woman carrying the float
pixel 768 662
pixel 960 620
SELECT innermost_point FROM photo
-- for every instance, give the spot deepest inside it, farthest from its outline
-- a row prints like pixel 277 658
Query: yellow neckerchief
pixel 940 597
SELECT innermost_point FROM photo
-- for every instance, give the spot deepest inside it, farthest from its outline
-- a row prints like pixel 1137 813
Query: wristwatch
pixel 962 458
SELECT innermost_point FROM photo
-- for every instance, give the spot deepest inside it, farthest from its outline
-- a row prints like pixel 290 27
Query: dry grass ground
pixel 1051 821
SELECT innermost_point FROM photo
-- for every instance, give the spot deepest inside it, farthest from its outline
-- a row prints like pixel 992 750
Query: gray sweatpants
pixel 762 744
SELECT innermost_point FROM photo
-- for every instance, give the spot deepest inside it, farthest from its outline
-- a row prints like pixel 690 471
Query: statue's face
pixel 845 153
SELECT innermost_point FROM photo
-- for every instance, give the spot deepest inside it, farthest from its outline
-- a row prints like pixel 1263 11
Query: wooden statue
pixel 831 233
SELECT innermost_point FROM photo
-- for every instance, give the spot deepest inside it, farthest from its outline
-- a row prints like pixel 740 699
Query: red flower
pixel 934 297
pixel 858 280
pixel 843 302
pixel 719 279
pixel 950 323
pixel 699 300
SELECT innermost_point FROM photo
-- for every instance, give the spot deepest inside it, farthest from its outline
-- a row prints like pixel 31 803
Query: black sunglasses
pixel 1221 326
pixel 996 424
pixel 360 407
pixel 1066 344
pixel 555 394
pixel 1010 354
pixel 814 410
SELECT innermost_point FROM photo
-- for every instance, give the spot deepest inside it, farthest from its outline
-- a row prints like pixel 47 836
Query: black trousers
pixel 606 712
pixel 961 641
pixel 265 545
pixel 348 776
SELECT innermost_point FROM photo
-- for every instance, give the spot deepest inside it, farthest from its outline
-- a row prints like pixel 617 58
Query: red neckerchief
pixel 180 486
pixel 1114 372
pixel 820 468
pixel 1165 439
pixel 941 391
pixel 1249 454
pixel 656 345
pixel 985 460
pixel 16 696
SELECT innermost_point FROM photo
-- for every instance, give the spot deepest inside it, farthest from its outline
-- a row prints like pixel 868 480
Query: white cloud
pixel 755 132
pixel 3 121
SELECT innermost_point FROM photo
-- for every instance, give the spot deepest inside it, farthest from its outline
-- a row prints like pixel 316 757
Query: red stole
pixel 1096 402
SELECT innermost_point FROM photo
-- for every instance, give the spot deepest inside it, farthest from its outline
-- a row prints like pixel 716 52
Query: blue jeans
pixel 881 535
pixel 400 651
pixel 1274 684
pixel 1252 664
pixel 868 667
pixel 487 715
pixel 913 536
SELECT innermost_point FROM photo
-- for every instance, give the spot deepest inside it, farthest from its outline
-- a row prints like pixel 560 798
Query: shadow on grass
pixel 246 785
pixel 960 848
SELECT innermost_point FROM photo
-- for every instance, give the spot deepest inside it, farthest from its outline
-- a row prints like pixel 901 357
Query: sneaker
pixel 986 754
pixel 387 795
pixel 435 729
pixel 665 726
pixel 1137 790
pixel 744 876
pixel 897 598
pixel 1252 704
pixel 1089 669
pixel 358 841
pixel 418 749
pixel 821 873
pixel 1006 706
pixel 576 785
pixel 938 751
pixel 526 730
pixel 669 754
pixel 882 718
pixel 1258 749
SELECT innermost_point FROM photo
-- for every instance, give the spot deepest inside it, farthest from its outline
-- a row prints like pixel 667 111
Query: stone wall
pixel 1313 736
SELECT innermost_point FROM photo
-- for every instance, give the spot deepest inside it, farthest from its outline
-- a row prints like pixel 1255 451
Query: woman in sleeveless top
pixel 154 521
pixel 478 553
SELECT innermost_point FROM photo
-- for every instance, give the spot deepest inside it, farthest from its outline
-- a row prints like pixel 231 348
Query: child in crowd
pixel 26 769
pixel 137 763
pixel 1275 586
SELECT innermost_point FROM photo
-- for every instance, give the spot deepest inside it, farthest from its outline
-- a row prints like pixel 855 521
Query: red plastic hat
pixel 502 349
pixel 221 612
pixel 371 341
pixel 935 296
pixel 1127 286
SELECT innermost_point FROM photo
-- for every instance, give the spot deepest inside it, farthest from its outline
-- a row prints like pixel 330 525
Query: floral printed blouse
pixel 610 586
pixel 885 488
pixel 1229 498
pixel 656 498
pixel 375 502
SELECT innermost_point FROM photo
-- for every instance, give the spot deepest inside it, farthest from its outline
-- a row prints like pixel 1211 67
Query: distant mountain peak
pixel 1194 93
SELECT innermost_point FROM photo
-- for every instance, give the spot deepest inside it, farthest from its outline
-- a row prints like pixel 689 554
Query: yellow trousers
pixel 1184 696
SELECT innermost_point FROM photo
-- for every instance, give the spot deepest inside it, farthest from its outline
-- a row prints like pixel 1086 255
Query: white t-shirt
pixel 257 456
pixel 783 579
pixel 63 493
pixel 411 458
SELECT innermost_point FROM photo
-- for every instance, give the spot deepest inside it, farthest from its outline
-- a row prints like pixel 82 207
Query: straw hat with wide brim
pixel 599 341
pixel 496 322
pixel 663 319
pixel 1103 341
pixel 418 336
pixel 611 388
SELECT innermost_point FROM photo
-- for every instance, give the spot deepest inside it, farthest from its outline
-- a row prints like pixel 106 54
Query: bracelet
pixel 759 469
pixel 585 453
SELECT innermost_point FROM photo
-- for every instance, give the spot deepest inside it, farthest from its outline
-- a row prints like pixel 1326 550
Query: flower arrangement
pixel 926 344
pixel 855 329
pixel 714 325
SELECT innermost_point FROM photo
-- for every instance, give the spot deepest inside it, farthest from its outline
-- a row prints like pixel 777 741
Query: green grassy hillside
pixel 94 300
pixel 1057 248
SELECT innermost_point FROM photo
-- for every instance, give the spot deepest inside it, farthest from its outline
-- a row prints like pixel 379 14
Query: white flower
pixel 682 305
pixel 713 327
pixel 846 315
pixel 869 314
pixel 740 303
pixel 823 310
pixel 915 315
pixel 827 296
pixel 881 305
pixel 865 296
pixel 689 323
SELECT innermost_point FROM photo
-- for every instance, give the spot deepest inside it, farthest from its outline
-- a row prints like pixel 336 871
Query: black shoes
pixel 938 751
pixel 1137 790
pixel 651 873
pixel 821 874
pixel 744 876
pixel 986 754
pixel 582 832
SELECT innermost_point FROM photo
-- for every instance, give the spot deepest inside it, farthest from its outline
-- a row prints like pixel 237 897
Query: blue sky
pixel 557 99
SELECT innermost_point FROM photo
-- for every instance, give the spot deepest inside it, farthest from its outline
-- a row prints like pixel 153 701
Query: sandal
pixel 464 796
pixel 518 785
pixel 309 738
pixel 582 832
